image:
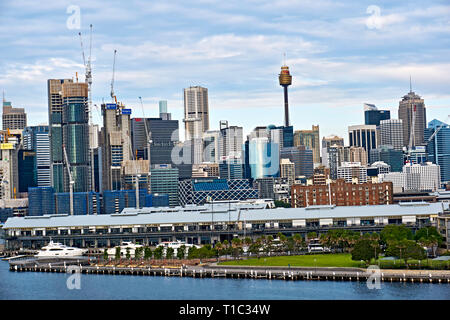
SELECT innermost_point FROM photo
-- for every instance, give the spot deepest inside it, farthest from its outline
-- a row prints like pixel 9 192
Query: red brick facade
pixel 342 194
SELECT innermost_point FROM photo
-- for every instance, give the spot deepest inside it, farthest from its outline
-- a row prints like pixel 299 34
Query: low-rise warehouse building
pixel 210 223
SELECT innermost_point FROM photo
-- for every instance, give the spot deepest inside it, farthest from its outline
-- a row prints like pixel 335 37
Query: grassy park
pixel 314 260
pixel 336 260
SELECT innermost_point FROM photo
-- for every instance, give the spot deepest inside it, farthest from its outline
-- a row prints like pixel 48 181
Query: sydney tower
pixel 285 81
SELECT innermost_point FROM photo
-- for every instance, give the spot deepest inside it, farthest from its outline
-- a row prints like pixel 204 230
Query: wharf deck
pixel 235 272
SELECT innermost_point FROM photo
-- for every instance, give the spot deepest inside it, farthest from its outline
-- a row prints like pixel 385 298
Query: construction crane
pixel 412 135
pixel 113 97
pixel 71 182
pixel 148 135
pixel 438 129
pixel 88 79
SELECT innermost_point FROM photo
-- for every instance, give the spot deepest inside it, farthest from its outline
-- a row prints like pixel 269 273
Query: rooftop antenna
pixel 284 58
pixel 410 84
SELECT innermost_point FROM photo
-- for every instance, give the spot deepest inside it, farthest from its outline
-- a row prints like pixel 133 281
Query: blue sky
pixel 341 55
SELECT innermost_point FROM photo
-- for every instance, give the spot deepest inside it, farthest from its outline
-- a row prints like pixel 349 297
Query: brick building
pixel 342 194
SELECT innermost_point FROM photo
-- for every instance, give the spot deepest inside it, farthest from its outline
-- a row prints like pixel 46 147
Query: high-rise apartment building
pixel 69 131
pixel 37 138
pixel 302 158
pixel 412 107
pixel 287 170
pixel 328 142
pixel 13 118
pixel 211 146
pixel 391 133
pixel 196 119
pixel 352 172
pixel 116 144
pixel 309 139
pixel 230 142
pixel 55 121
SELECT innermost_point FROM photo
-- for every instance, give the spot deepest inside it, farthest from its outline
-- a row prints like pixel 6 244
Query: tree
pixel 236 245
pixel 181 252
pixel 193 252
pixel 429 237
pixel 169 253
pixel 226 245
pixel 138 253
pixel 298 240
pixel 405 249
pixel 105 254
pixel 147 253
pixel 282 204
pixel 365 250
pixel 158 252
pixel 128 255
pixel 118 253
pixel 395 233
pixel 310 236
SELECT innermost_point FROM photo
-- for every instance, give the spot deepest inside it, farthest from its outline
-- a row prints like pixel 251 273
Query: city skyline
pixel 334 73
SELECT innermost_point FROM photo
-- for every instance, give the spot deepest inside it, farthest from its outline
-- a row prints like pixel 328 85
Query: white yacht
pixel 55 249
pixel 123 249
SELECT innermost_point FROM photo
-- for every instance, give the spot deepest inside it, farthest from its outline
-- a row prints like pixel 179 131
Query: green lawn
pixel 316 260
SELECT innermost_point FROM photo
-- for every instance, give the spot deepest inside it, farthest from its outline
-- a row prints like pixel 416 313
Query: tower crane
pixel 88 79
pixel 148 134
pixel 71 182
pixel 438 129
pixel 113 97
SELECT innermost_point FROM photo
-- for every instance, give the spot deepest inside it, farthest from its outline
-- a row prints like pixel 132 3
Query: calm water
pixel 35 285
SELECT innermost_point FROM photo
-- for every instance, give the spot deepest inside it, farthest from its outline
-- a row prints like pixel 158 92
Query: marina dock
pixel 84 266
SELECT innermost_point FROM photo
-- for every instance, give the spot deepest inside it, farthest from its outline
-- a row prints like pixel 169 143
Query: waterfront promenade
pixel 213 270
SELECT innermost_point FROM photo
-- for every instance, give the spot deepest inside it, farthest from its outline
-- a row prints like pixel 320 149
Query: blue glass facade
pixel 375 116
pixel 264 158
pixel 438 148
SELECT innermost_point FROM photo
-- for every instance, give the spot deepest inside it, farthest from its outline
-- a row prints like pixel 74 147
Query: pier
pixel 84 266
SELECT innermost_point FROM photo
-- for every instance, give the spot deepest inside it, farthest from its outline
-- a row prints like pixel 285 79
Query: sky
pixel 341 55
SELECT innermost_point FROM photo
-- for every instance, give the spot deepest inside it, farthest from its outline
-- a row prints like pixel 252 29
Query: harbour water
pixel 53 286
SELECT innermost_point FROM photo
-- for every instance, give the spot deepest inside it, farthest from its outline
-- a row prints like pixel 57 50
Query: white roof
pixel 220 214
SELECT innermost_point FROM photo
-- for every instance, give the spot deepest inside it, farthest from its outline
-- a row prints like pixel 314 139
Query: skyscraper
pixel 37 138
pixel 75 124
pixel 13 118
pixel 196 119
pixel 163 114
pixel 392 133
pixel 302 158
pixel 407 105
pixel 438 148
pixel 55 111
pixel 116 144
pixel 309 139
pixel 230 142
pixel 363 136
pixel 373 116
pixel 263 158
